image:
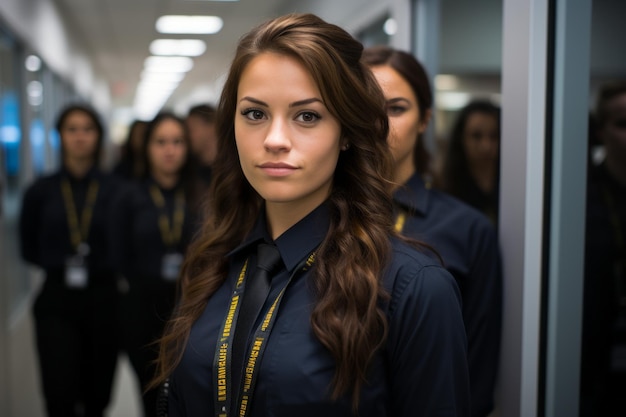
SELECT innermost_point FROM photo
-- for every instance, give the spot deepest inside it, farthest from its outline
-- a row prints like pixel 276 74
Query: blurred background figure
pixel 131 164
pixel 200 123
pixel 460 234
pixel 471 167
pixel 603 365
pixel 63 224
pixel 152 223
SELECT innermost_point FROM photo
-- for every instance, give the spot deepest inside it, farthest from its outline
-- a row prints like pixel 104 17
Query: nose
pixel 488 143
pixel 278 136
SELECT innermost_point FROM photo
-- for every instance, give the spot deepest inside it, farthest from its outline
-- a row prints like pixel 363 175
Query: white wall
pixel 40 26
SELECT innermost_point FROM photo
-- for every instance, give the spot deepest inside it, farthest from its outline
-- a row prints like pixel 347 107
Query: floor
pixel 26 400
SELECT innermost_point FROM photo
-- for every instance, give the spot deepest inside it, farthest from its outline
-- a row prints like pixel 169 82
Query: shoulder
pixel 455 218
pixel 128 193
pixel 451 206
pixel 43 185
pixel 414 277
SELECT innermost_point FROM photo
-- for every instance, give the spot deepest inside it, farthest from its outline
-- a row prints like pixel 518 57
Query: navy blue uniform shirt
pixel 44 230
pixel 422 371
pixel 137 243
pixel 467 242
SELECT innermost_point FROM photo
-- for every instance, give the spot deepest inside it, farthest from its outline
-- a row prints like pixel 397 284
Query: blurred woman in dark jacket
pixel 63 231
pixel 151 225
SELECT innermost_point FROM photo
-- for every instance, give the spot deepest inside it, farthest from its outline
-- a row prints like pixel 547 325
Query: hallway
pixel 27 401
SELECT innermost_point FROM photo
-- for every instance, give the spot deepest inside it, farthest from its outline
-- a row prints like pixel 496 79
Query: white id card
pixel 170 266
pixel 76 275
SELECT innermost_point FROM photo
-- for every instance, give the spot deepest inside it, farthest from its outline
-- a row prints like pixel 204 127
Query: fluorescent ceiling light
pixel 446 82
pixel 168 64
pixel 166 77
pixel 390 27
pixel 205 25
pixel 32 63
pixel 177 47
pixel 451 100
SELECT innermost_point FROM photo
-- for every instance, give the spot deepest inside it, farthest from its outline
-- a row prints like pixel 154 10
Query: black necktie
pixel 254 296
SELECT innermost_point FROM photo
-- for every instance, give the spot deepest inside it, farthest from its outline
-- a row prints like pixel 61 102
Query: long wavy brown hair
pixel 347 318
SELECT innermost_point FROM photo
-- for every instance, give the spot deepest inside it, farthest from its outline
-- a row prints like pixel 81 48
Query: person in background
pixel 461 235
pixel 342 317
pixel 63 224
pixel 471 167
pixel 152 223
pixel 131 165
pixel 200 123
pixel 603 362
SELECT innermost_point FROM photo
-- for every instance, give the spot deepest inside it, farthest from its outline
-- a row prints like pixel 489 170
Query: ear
pixel 425 120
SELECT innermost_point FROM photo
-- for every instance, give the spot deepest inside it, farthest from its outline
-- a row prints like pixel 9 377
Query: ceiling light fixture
pixel 204 25
pixel 177 47
pixel 168 64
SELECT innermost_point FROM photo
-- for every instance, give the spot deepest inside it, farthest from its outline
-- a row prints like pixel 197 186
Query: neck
pixel 403 172
pixel 484 176
pixel 165 180
pixel 617 170
pixel 281 216
pixel 78 167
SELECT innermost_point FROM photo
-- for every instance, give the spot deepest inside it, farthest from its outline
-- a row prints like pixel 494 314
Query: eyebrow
pixel 397 100
pixel 294 104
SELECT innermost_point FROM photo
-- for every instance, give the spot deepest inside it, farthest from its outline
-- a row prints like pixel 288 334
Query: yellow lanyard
pixel 78 234
pixel 171 232
pixel 223 354
pixel 400 220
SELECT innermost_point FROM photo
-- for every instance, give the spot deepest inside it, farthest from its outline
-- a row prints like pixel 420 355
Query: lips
pixel 277 169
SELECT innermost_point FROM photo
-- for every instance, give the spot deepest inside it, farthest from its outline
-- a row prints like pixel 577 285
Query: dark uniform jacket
pixel 421 371
pixel 138 250
pixel 467 242
pixel 44 230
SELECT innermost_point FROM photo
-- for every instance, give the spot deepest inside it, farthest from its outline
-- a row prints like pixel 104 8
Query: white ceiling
pixel 117 33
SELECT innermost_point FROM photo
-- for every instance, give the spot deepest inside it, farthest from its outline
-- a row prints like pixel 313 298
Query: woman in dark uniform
pixel 471 166
pixel 347 318
pixel 461 235
pixel 63 230
pixel 152 224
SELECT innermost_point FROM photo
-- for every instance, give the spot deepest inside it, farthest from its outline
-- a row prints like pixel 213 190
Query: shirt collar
pixel 297 242
pixel 92 173
pixel 414 195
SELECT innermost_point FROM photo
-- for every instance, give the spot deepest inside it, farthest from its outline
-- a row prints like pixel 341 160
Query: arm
pixel 120 230
pixel 30 224
pixel 427 346
pixel 482 311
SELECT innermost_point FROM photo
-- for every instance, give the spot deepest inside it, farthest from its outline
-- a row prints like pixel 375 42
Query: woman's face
pixel 79 136
pixel 613 132
pixel 405 121
pixel 288 141
pixel 167 149
pixel 480 139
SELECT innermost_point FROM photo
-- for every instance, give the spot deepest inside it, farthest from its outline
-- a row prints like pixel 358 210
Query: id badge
pixel 170 266
pixel 76 275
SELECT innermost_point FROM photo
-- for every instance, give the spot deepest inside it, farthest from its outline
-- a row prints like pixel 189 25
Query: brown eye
pixel 253 114
pixel 308 117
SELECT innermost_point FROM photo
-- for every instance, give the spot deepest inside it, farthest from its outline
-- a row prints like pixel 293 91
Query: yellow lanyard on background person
pixel 171 232
pixel 222 365
pixel 79 228
pixel 400 220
